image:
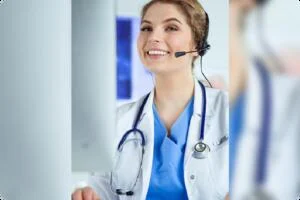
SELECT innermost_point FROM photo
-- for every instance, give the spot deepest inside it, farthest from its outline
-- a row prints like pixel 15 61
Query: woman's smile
pixel 163 31
pixel 157 54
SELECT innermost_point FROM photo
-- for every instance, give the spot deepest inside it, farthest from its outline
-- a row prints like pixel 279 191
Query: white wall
pixel 281 26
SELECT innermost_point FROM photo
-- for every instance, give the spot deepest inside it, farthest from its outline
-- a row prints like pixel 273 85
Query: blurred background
pixel 264 94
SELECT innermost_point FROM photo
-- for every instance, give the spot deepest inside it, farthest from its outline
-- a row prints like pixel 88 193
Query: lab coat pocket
pixel 219 166
pixel 199 182
pixel 219 143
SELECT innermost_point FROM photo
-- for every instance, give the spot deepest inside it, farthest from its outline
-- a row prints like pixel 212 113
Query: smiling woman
pixel 165 147
pixel 182 26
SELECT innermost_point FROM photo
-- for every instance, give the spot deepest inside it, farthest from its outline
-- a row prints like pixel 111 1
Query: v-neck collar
pixel 176 134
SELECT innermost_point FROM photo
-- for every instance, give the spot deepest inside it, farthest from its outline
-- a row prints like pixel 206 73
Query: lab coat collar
pixel 148 106
pixel 147 125
pixel 198 98
pixel 197 101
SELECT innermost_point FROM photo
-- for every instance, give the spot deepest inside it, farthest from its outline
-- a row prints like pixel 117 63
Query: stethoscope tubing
pixel 140 111
pixel 135 129
pixel 203 111
pixel 134 126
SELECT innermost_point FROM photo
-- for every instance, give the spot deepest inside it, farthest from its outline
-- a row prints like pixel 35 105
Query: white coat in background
pixel 283 160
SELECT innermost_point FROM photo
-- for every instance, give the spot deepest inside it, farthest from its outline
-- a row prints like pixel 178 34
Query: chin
pixel 160 69
pixel 156 68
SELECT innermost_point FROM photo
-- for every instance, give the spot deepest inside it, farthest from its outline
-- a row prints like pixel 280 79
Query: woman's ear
pixel 195 54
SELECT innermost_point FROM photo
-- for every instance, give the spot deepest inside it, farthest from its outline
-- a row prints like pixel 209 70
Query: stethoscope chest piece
pixel 201 150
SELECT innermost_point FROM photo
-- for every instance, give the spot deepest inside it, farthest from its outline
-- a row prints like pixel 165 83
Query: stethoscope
pixel 264 136
pixel 200 151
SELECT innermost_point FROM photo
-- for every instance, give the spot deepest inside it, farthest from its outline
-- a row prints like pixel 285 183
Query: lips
pixel 157 52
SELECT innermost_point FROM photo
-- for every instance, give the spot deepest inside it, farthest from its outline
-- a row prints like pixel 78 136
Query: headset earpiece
pixel 203 45
pixel 203 49
pixel 261 2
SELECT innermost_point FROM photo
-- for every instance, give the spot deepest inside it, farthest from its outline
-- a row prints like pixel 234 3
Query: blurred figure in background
pixel 264 117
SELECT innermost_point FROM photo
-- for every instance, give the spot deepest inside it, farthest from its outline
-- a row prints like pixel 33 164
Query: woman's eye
pixel 146 29
pixel 171 28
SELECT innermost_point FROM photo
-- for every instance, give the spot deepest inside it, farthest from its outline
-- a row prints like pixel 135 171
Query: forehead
pixel 160 11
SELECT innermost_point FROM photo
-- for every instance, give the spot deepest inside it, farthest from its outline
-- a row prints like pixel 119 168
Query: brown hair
pixel 196 18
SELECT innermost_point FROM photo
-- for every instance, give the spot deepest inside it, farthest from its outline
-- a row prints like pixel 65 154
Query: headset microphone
pixel 201 48
pixel 182 53
pixel 201 51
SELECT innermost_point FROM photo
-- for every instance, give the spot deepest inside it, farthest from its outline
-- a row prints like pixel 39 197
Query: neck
pixel 173 89
pixel 172 94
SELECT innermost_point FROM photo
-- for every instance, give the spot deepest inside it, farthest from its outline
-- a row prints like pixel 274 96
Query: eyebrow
pixel 165 21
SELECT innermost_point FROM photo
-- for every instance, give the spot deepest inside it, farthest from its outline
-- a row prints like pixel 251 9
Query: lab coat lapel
pixel 194 129
pixel 147 126
pixel 194 136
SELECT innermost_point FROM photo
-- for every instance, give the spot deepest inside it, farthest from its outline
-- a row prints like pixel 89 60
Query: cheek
pixel 140 40
pixel 179 43
pixel 140 44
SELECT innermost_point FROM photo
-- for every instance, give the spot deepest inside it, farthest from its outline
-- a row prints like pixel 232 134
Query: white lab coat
pixel 205 179
pixel 283 160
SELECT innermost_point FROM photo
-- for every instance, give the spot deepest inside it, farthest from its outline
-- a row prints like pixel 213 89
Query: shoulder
pixel 121 110
pixel 130 107
pixel 213 95
pixel 217 96
pixel 218 107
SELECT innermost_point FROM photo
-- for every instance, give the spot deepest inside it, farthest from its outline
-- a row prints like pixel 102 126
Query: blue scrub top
pixel 167 176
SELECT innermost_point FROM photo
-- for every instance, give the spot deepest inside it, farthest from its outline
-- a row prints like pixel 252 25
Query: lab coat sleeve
pixel 100 183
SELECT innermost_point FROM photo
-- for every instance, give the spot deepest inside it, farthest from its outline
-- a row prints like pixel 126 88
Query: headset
pixel 260 2
pixel 202 47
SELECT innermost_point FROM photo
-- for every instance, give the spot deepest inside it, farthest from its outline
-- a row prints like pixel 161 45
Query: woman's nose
pixel 155 36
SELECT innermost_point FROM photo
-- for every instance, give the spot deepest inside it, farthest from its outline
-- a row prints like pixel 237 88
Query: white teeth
pixel 157 53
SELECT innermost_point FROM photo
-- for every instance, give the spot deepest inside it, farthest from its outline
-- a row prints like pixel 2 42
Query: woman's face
pixel 164 31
